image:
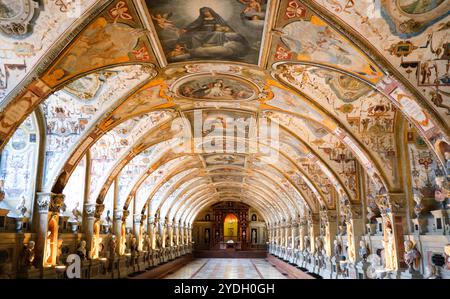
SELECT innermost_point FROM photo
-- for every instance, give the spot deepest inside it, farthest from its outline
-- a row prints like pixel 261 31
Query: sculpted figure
pixel 337 249
pixel 389 249
pixel 22 207
pixel 29 255
pixel 319 245
pixel 411 256
pixel 81 250
pixel 307 244
pixel 363 250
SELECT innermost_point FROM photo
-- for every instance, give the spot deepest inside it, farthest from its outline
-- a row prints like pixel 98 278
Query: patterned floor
pixel 218 268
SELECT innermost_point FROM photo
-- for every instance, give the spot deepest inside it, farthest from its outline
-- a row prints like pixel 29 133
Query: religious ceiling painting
pixel 323 44
pixel 199 30
pixel 17 17
pixel 115 37
pixel 224 159
pixel 217 88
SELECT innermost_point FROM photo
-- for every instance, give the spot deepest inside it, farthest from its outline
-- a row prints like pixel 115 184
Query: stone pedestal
pixel 122 267
pixel 361 268
pixel 334 268
pixel 327 272
pixel 410 275
pixel 73 227
pixel 352 271
pixel 49 273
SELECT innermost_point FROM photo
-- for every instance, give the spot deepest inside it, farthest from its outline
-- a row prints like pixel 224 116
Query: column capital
pixel 49 202
pixel 89 209
pixel 118 214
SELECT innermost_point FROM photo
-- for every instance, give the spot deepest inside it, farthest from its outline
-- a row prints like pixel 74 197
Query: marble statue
pixel 307 243
pixel 389 249
pixel 29 255
pixel 81 250
pixel 319 245
pixel 363 250
pixel 411 256
pixel 76 214
pixel 337 249
pixel 21 207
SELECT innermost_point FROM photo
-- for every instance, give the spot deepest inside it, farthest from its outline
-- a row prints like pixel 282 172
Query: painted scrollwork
pixel 16 17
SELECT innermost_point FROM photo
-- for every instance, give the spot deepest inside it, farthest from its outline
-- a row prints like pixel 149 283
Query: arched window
pixel 18 169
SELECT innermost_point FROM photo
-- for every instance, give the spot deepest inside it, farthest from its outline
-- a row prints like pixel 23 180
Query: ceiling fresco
pixel 137 99
pixel 203 30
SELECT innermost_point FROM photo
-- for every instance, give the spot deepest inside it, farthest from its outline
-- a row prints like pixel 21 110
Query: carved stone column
pixel 49 205
pixel 170 228
pixel 151 231
pixel 393 220
pixel 294 238
pixel 329 225
pixel 88 226
pixel 96 227
pixel 138 220
pixel 182 241
pixel 119 229
pixel 190 234
pixel 176 228
pixel 314 229
pixel 163 232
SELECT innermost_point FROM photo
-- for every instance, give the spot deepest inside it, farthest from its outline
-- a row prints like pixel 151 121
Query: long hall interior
pixel 253 139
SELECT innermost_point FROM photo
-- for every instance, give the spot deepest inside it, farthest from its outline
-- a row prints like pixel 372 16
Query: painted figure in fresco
pixel 419 6
pixel 251 6
pixel 162 20
pixel 210 36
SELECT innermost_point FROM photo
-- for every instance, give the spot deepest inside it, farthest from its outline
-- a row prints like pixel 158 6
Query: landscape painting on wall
pixel 209 29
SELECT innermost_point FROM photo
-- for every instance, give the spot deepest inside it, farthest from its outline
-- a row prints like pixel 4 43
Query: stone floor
pixel 225 268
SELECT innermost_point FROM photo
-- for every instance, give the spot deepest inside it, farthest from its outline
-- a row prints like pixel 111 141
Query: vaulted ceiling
pixel 120 85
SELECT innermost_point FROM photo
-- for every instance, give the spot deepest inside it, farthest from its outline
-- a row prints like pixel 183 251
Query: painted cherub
pixel 178 50
pixel 163 21
pixel 251 6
